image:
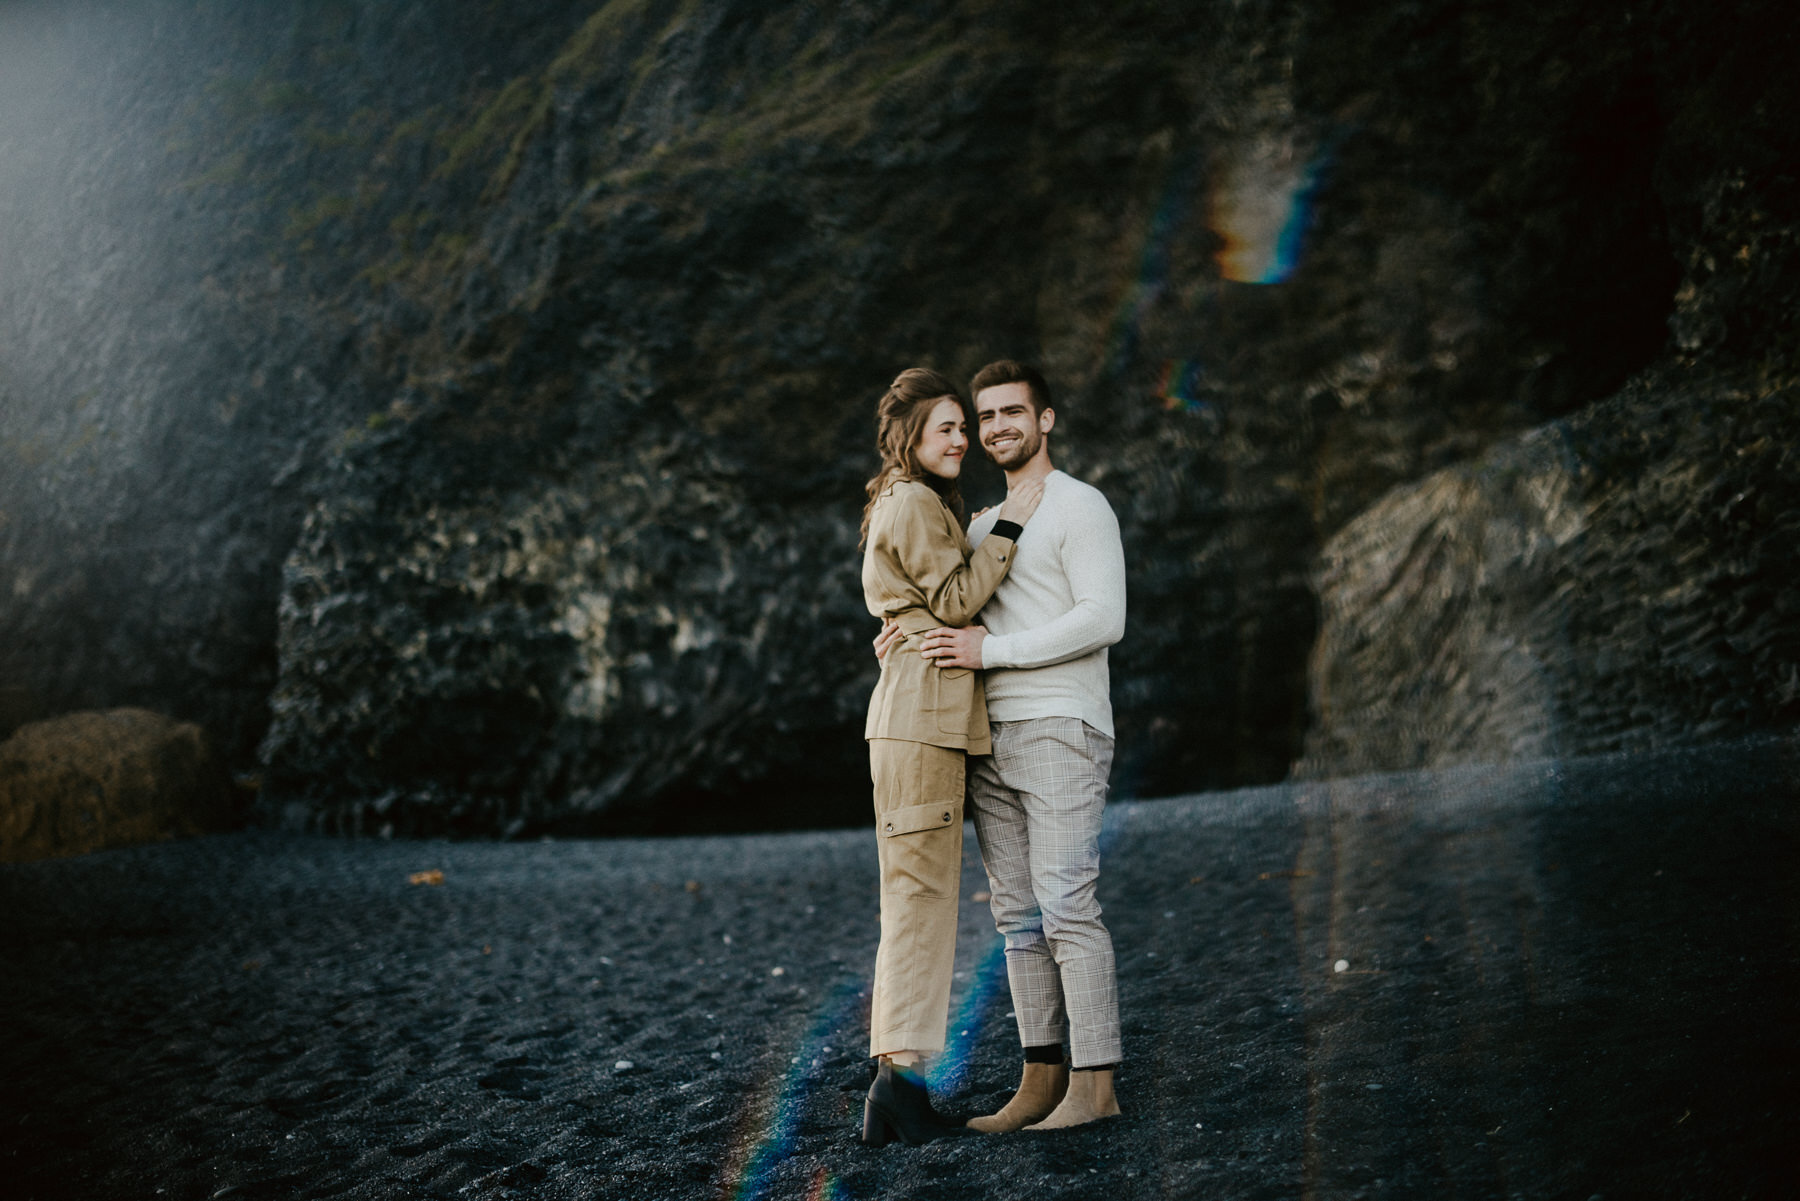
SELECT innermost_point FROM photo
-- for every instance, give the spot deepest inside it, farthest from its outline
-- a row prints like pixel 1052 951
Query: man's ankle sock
pixel 1051 1053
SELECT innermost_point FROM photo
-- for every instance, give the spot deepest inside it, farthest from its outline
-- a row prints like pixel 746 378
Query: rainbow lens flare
pixel 826 1187
pixel 1180 387
pixel 1143 289
pixel 767 1139
pixel 1261 206
pixel 951 1069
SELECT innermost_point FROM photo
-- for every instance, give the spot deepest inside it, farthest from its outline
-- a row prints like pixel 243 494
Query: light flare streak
pixel 767 1141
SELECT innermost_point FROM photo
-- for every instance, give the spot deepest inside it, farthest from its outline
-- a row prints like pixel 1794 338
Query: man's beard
pixel 1020 451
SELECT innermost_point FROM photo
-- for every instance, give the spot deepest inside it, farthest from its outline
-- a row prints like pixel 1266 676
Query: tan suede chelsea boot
pixel 1040 1089
pixel 1089 1098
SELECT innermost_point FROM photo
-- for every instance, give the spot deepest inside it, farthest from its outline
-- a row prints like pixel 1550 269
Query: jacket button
pixel 946 816
pixel 889 827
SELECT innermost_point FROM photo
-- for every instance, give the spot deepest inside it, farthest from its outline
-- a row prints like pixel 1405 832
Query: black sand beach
pixel 1554 980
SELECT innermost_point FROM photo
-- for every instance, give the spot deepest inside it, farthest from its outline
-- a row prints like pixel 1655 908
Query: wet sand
pixel 1554 980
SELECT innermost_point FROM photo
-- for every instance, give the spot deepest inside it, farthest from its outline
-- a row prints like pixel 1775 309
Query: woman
pixel 919 571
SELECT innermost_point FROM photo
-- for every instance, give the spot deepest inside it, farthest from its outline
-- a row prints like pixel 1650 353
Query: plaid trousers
pixel 1037 802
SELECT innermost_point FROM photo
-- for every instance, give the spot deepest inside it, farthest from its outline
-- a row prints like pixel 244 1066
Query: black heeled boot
pixel 899 1107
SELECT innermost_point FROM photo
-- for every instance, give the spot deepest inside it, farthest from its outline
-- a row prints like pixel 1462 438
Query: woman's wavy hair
pixel 900 420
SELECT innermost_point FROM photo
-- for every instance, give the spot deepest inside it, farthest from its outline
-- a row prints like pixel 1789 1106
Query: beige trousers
pixel 918 839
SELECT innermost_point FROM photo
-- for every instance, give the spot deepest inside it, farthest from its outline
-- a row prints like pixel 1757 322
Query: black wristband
pixel 1009 530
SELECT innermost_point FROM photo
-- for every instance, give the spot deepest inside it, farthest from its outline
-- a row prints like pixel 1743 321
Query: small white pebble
pixel 777 971
pixel 624 1065
pixel 1168 913
pixel 1342 965
pixel 728 940
pixel 606 961
pixel 718 1055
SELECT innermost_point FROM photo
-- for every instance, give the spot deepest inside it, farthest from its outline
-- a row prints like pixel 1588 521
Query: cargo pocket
pixel 918 817
pixel 955 699
pixel 922 849
pixel 915 818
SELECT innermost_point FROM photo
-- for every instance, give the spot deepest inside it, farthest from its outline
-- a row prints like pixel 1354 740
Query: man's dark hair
pixel 1011 371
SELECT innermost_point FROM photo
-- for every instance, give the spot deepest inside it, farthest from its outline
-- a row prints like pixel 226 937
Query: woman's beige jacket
pixel 918 569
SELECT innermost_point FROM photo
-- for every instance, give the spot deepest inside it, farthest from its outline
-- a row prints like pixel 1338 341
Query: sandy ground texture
pixel 1554 980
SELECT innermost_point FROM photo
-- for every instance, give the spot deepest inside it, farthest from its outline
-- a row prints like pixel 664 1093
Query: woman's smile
pixel 944 440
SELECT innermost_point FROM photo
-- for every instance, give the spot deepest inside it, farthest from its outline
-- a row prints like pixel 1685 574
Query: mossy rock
pixel 85 781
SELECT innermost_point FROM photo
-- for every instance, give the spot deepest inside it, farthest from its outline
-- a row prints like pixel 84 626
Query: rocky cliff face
pixel 474 424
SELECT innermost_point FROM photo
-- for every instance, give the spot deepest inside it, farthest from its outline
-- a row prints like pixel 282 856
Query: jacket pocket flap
pixel 914 818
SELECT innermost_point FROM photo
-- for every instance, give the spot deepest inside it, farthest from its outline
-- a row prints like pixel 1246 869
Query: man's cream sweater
pixel 1053 616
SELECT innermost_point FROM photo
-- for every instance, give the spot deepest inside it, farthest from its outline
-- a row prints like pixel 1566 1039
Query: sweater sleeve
pixel 926 549
pixel 1093 558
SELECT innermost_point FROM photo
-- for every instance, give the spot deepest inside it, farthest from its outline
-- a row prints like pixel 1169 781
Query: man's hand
pixel 890 634
pixel 955 648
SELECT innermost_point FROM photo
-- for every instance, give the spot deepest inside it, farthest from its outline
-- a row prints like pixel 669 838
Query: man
pixel 1039 797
